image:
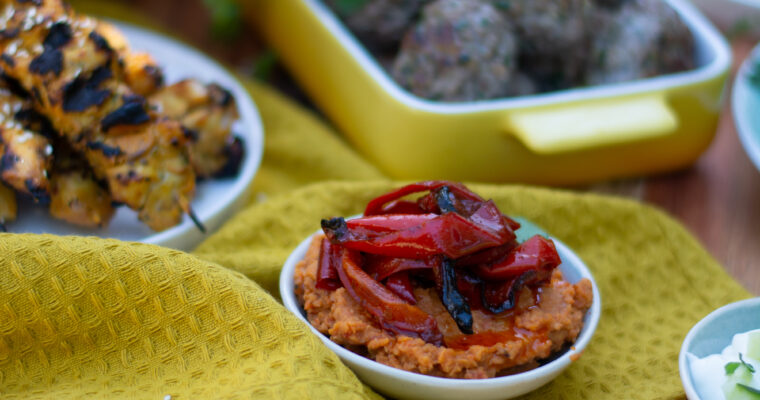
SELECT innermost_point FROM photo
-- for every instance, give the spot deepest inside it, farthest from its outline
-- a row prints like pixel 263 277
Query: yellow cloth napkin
pixel 93 318
pixel 105 319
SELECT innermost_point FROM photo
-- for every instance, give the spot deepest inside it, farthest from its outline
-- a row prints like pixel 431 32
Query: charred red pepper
pixel 487 256
pixel 327 272
pixel 452 299
pixel 400 284
pixel 498 297
pixel 381 267
pixel 390 311
pixel 536 253
pixel 376 206
pixel 449 236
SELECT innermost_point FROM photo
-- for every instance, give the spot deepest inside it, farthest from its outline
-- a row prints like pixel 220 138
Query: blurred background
pixel 717 198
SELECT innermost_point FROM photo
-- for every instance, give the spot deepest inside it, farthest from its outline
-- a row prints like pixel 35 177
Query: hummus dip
pixel 544 319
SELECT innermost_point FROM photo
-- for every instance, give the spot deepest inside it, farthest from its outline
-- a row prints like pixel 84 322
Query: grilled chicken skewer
pixel 78 83
pixel 8 206
pixel 25 155
pixel 75 195
pixel 207 112
pixel 141 72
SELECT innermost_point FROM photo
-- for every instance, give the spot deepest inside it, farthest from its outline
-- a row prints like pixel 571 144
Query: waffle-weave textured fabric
pixel 100 318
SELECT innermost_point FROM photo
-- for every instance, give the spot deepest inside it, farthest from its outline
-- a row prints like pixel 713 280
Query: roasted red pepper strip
pixel 470 286
pixel 450 234
pixel 487 256
pixel 443 200
pixel 382 224
pixel 535 254
pixel 489 217
pixel 390 311
pixel 402 207
pixel 329 259
pixel 498 297
pixel 375 206
pixel 400 284
pixel 381 267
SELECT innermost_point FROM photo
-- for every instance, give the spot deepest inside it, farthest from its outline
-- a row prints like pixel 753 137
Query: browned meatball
pixel 554 39
pixel 380 23
pixel 644 38
pixel 461 50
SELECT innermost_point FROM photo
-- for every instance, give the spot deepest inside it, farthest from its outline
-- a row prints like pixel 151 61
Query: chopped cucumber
pixel 753 345
pixel 733 391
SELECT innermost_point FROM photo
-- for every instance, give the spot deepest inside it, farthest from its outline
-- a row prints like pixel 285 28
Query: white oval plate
pixel 712 334
pixel 746 107
pixel 408 385
pixel 215 200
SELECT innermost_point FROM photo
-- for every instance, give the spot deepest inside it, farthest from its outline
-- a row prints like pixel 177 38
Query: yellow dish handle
pixel 566 128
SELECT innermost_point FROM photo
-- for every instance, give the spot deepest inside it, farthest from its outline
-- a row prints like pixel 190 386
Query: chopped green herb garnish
pixel 347 8
pixel 226 21
pixel 748 388
pixel 731 367
pixel 740 28
pixel 748 366
pixel 264 65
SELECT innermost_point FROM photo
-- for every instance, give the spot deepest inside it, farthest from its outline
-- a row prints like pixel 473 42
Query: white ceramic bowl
pixel 713 333
pixel 407 385
pixel 215 200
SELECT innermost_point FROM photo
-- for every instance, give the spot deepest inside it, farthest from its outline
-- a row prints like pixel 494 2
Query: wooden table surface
pixel 717 199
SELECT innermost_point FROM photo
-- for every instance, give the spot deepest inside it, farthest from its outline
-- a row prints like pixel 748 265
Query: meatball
pixel 644 38
pixel 553 37
pixel 379 23
pixel 460 50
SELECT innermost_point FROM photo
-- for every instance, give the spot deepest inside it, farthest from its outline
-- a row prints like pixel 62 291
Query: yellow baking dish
pixel 566 137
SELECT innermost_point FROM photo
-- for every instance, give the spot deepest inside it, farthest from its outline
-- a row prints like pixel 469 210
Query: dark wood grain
pixel 718 199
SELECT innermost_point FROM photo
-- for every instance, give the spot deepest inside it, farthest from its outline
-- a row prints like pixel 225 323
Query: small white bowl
pixel 713 333
pixel 408 385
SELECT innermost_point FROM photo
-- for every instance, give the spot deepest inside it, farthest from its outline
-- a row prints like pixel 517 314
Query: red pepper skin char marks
pixel 449 234
pixel 141 154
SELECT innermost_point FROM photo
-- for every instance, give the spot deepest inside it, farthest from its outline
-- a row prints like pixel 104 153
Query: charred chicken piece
pixel 78 83
pixel 207 113
pixel 75 195
pixel 8 206
pixel 141 72
pixel 25 154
